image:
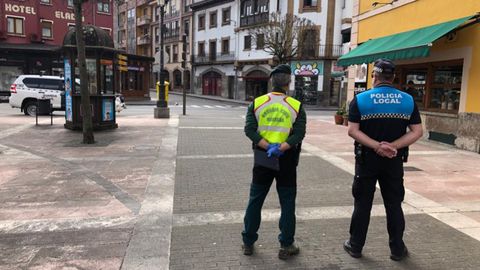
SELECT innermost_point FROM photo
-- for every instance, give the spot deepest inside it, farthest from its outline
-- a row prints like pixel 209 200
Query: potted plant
pixel 339 115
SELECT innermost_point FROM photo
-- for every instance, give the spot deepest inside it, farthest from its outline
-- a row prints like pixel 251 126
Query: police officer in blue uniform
pixel 379 119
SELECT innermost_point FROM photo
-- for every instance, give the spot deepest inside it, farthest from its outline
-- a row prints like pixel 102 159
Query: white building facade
pixel 243 73
pixel 214 46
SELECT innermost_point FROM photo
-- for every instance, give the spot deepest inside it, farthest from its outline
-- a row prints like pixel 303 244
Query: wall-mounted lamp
pixel 374 4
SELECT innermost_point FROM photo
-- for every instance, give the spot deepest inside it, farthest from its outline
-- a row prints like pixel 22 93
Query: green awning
pixel 411 44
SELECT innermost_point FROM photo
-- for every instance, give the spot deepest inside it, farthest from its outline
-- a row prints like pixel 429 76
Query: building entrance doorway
pixel 212 84
pixel 256 84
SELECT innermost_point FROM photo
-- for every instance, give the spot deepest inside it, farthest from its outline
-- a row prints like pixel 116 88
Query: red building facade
pixel 32 31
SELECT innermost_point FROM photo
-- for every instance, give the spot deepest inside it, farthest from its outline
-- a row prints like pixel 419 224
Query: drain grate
pixel 411 169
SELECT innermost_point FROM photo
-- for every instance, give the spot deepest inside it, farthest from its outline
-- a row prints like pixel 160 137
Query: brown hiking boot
pixel 287 252
pixel 247 250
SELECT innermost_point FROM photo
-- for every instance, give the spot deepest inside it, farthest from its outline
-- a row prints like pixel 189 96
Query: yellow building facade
pixel 442 74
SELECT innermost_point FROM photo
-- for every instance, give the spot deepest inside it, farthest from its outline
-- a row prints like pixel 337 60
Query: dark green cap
pixel 283 68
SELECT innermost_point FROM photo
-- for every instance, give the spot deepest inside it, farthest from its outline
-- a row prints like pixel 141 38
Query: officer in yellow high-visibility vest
pixel 275 123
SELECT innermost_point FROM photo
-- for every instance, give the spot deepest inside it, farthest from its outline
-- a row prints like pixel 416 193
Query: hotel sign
pixel 31 11
pixel 20 9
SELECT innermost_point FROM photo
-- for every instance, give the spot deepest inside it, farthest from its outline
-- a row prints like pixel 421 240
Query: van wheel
pixel 30 108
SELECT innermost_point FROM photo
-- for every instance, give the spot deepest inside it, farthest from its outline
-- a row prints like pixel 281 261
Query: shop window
pixel 225 46
pixel 201 22
pixel 247 42
pixel 415 85
pixel 47 29
pixel 433 86
pixel 260 41
pixel 213 19
pixel 226 16
pixel 306 89
pixel 103 6
pixel 106 75
pixel 15 26
pixel 445 93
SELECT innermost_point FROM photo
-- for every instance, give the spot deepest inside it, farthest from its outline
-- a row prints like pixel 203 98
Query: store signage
pixel 106 62
pixel 20 9
pixel 122 62
pixel 307 68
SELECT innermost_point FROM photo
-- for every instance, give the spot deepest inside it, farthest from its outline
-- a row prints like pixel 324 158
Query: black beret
pixel 283 68
pixel 384 66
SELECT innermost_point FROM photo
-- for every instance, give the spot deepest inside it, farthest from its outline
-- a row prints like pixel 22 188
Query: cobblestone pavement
pixel 159 194
pixel 64 205
pixel 212 181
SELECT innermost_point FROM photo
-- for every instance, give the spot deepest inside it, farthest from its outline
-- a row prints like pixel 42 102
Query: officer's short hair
pixel 384 69
pixel 280 79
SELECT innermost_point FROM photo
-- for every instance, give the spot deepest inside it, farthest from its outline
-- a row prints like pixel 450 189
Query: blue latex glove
pixel 274 150
pixel 271 149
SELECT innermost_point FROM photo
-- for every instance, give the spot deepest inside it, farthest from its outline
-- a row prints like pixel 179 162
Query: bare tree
pixel 87 125
pixel 281 35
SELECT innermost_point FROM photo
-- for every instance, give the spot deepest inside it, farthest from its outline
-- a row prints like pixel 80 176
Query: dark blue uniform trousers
pixel 389 173
pixel 286 180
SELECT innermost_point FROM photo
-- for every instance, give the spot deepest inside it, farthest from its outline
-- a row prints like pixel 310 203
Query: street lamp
pixel 236 57
pixel 162 110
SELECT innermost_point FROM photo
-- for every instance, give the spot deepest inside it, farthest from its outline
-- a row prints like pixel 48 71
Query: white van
pixel 26 89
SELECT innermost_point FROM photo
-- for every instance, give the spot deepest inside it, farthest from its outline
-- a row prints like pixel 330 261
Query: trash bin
pixel 167 86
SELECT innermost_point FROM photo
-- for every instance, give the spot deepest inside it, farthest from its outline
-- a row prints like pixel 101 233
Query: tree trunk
pixel 82 65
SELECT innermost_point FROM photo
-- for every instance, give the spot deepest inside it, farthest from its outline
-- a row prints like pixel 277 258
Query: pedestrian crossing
pixel 210 107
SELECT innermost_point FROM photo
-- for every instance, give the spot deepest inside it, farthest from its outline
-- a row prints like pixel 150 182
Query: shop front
pixel 18 59
pixel 308 81
pixel 256 84
pixel 134 77
pixel 438 66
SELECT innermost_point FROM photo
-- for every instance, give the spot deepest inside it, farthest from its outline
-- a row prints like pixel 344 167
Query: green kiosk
pixel 100 54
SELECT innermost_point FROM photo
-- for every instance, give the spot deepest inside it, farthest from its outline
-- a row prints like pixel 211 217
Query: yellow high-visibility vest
pixel 275 113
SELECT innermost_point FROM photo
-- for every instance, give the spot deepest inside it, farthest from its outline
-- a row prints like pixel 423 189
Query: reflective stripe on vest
pixel 275 114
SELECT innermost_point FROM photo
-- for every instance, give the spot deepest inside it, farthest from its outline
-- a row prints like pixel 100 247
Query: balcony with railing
pixel 172 35
pixel 214 58
pixel 144 20
pixel 172 14
pixel 324 52
pixel 254 19
pixel 143 40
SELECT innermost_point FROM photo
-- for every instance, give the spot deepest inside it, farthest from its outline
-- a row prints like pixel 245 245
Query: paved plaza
pixel 171 194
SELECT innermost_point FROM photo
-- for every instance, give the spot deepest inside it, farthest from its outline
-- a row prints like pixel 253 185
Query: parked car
pixel 26 89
